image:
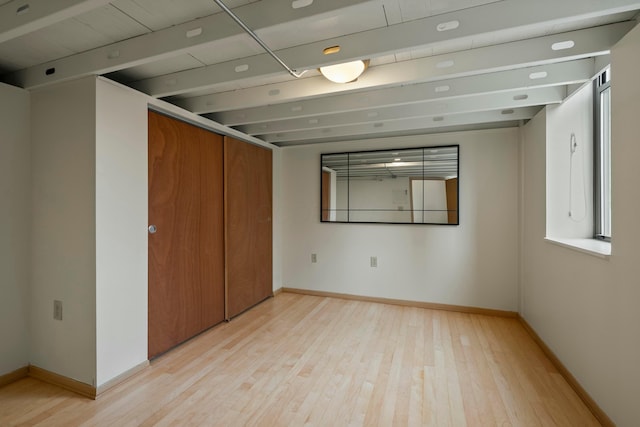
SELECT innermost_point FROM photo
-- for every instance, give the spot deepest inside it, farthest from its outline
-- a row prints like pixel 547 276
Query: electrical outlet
pixel 314 258
pixel 374 261
pixel 57 310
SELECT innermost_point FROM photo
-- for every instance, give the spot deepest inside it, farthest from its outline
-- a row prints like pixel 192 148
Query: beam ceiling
pixel 435 65
pixel 20 18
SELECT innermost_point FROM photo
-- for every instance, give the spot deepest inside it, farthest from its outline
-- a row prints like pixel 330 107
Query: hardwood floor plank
pixel 299 360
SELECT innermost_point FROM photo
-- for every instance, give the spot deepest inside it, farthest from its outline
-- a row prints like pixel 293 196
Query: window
pixel 602 155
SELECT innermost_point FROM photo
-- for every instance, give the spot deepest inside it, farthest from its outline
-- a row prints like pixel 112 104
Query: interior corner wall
pixel 570 174
pixel 63 242
pixel 586 308
pixel 121 230
pixel 474 264
pixel 15 214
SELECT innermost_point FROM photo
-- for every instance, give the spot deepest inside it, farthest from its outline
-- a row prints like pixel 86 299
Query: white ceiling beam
pixel 171 41
pixel 400 126
pixel 445 107
pixel 18 18
pixel 562 73
pixel 587 43
pixel 396 38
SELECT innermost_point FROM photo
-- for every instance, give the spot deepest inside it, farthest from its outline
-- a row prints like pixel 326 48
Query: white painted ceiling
pixel 479 74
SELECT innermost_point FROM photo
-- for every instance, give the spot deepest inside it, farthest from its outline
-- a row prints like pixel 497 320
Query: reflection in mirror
pixel 408 186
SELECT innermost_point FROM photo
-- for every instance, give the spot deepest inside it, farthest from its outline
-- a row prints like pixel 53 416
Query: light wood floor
pixel 302 360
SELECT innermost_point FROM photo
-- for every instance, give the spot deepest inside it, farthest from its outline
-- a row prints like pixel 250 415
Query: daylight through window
pixel 602 155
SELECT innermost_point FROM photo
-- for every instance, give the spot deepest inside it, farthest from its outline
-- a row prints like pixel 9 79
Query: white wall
pixel 121 230
pixel 586 308
pixel 63 261
pixel 78 197
pixel 277 218
pixel 15 214
pixel 429 201
pixel 570 174
pixel 473 264
pixel 388 198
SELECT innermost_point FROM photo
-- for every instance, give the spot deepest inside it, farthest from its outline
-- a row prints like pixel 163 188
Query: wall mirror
pixel 399 186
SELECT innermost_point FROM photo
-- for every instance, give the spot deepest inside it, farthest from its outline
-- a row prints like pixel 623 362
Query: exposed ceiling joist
pixel 484 102
pixel 436 65
pixel 18 18
pixel 562 73
pixel 171 41
pixel 430 31
pixel 399 127
pixel 586 43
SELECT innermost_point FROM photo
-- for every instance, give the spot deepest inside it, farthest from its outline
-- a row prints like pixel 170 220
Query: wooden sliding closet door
pixel 248 247
pixel 186 253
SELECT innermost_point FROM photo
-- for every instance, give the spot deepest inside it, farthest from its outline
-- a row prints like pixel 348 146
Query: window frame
pixel 602 158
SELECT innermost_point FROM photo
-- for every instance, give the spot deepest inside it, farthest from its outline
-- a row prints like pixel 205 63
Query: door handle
pixel 152 229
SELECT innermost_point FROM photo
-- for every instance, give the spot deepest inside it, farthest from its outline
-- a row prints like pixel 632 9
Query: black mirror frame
pixel 391 150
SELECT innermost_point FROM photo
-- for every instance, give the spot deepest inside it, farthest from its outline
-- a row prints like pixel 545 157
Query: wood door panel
pixel 325 195
pixel 186 254
pixel 248 211
pixel 452 200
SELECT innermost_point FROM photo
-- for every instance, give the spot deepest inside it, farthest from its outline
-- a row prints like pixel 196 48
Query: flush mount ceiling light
pixel 345 72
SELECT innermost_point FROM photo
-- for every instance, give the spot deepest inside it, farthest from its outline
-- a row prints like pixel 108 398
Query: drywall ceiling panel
pixel 149 45
pixel 414 9
pixel 30 49
pixel 111 23
pixel 158 14
pixel 98 27
pixel 157 68
pixel 381 60
pixel 591 22
pixel 354 19
pixel 348 20
pixel 227 49
pixel 241 84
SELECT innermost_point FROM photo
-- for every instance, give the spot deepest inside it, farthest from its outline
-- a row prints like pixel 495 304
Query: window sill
pixel 598 248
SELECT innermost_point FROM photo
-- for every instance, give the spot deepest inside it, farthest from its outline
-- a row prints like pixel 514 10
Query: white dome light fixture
pixel 346 72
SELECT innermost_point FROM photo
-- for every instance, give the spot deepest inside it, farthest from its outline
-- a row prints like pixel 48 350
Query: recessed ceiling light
pixel 568 44
pixel 538 75
pixel 299 4
pixel 330 50
pixel 445 64
pixel 446 26
pixel 194 32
